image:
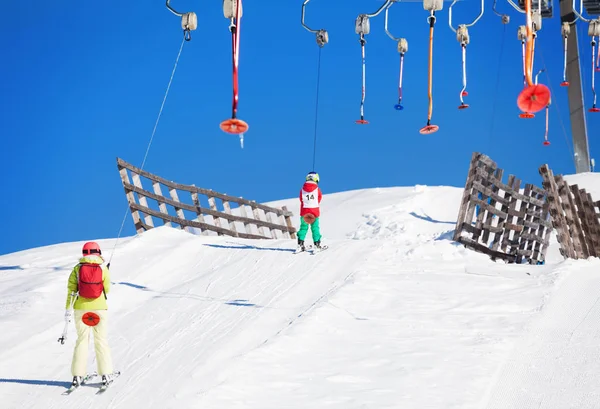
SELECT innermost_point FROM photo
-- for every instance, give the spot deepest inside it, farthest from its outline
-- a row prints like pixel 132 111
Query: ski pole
pixel 63 337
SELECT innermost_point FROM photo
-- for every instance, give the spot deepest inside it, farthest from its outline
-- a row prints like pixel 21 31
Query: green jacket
pixel 82 303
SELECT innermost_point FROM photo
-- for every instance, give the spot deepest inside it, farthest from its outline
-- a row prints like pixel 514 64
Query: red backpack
pixel 90 281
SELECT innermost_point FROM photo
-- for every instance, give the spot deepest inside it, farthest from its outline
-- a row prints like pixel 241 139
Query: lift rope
pixel 316 110
pixel 399 106
pixel 546 141
pixel 557 107
pixel 463 91
pixel 232 9
pixel 322 38
pixel 162 105
pixel 594 32
pixel 594 108
pixel 362 27
pixel 402 45
pixel 362 120
pixel 429 128
pixel 565 31
pixel 462 35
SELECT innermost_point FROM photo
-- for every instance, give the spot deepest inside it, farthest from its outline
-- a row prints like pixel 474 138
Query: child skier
pixel 310 199
pixel 88 284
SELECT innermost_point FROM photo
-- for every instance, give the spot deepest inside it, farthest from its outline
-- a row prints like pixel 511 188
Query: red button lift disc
pixel 429 129
pixel 463 105
pixel 90 319
pixel 533 98
pixel 234 126
pixel 362 121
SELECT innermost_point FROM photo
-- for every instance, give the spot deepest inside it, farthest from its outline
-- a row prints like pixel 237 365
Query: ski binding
pixel 105 386
pixel 85 379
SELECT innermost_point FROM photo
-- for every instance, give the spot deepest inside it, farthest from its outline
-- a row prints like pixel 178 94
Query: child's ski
pixel 306 248
pixel 315 250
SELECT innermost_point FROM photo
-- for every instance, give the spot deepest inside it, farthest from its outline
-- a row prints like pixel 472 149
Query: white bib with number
pixel 310 200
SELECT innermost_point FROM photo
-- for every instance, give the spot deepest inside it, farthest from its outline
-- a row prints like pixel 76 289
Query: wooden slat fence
pixel 575 216
pixel 248 220
pixel 497 219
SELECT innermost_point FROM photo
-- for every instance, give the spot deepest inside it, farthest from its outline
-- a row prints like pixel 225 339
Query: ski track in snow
pixel 393 315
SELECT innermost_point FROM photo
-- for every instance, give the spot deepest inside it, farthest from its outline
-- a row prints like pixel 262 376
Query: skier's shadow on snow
pixel 248 247
pixel 447 235
pixel 36 382
pixel 55 268
pixel 6 268
pixel 139 287
pixel 237 302
pixel 429 219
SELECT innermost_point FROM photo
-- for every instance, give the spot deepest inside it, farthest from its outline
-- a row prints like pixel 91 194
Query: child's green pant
pixel 316 231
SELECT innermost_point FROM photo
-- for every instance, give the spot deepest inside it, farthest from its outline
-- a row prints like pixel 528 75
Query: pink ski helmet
pixel 90 248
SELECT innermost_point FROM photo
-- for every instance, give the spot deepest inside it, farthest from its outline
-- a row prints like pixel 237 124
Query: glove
pixel 68 316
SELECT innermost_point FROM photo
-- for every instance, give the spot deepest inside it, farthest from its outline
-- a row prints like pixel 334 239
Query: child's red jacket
pixel 310 198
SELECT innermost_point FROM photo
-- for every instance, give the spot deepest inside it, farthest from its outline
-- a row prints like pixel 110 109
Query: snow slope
pixel 393 315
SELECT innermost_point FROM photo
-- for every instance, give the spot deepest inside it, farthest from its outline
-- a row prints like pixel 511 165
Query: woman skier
pixel 88 284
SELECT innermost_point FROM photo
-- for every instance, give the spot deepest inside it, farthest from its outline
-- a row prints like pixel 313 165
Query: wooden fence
pixel 262 222
pixel 497 219
pixel 575 217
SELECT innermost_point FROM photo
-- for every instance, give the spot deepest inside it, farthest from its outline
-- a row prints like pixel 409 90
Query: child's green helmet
pixel 313 176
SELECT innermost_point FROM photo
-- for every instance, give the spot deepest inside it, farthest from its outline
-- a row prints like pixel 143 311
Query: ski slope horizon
pixel 393 315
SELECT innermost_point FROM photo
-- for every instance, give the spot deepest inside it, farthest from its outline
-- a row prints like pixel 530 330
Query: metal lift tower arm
pixel 575 94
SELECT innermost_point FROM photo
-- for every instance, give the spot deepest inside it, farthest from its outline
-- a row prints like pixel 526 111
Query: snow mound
pixel 393 314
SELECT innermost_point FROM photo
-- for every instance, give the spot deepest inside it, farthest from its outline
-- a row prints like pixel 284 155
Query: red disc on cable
pixel 91 319
pixel 526 115
pixel 426 130
pixel 564 84
pixel 234 126
pixel 546 143
pixel 534 98
pixel 463 106
pixel 594 109
pixel 597 69
pixel 309 218
pixel 362 122
pixel 464 93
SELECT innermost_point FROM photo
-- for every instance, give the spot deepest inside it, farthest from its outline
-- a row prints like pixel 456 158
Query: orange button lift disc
pixel 234 126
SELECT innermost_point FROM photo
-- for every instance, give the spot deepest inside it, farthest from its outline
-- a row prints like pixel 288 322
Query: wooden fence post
pixel 137 221
pixel 161 205
pixel 556 212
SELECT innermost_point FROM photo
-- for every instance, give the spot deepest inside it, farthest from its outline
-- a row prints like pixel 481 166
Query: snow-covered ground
pixel 393 315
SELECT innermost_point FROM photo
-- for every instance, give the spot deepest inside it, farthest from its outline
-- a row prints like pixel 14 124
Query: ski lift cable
pixel 151 138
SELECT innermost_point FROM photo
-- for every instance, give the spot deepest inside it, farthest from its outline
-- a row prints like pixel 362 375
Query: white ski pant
pixel 80 355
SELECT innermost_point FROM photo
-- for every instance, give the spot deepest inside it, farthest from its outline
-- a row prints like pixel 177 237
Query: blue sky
pixel 83 82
